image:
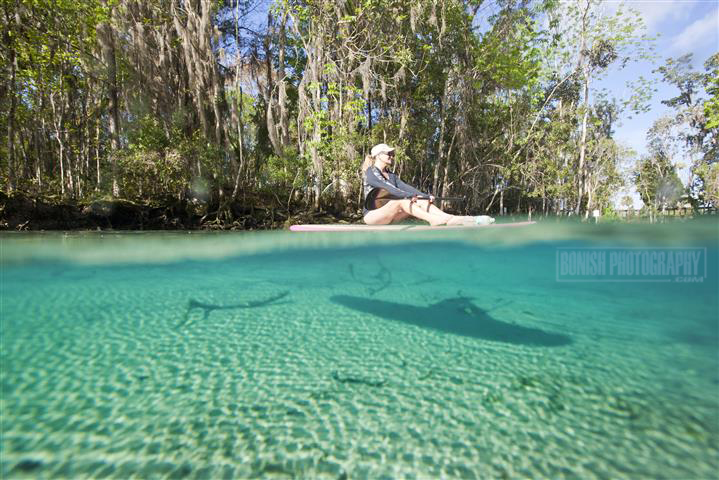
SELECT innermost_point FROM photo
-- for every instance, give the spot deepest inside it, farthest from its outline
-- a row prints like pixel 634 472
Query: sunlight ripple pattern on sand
pixel 424 359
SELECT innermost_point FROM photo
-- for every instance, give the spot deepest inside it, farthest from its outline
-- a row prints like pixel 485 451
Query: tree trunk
pixel 316 109
pixel 501 202
pixel 445 181
pixel 219 105
pixel 272 130
pixel 440 147
pixel 97 154
pixel 369 112
pixel 282 95
pixel 583 144
pixel 317 160
pixel 12 64
pixel 583 63
pixel 58 137
pixel 590 198
pixel 38 161
pixel 404 116
pixel 240 140
pixel 106 38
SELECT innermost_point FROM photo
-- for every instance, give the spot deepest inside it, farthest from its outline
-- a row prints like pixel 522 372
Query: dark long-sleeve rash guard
pixel 374 181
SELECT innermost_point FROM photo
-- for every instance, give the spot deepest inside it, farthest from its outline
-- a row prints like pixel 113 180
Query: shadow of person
pixel 456 315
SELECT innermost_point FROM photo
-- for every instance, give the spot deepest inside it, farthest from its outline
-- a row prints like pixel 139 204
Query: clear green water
pixel 277 355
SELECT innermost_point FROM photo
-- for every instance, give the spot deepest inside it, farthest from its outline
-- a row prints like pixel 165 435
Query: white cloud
pixel 655 12
pixel 701 33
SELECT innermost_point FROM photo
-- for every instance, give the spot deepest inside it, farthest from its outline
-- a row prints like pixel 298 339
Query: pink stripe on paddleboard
pixel 394 228
pixel 347 228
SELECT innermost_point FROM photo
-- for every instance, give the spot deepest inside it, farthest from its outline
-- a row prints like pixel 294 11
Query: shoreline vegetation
pixel 23 213
pixel 202 114
pixel 20 212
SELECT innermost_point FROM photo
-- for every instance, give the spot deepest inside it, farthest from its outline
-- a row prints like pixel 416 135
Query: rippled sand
pixel 434 358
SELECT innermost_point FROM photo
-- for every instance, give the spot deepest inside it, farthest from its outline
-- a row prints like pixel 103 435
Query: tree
pixel 711 84
pixel 590 42
pixel 691 131
pixel 185 101
pixel 106 42
pixel 657 182
pixel 627 202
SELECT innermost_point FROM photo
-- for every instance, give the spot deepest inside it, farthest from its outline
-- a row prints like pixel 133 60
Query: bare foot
pixel 464 221
pixel 456 220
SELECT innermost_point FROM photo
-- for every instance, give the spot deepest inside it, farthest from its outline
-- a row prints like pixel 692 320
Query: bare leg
pixel 399 209
pixel 401 216
pixel 450 219
pixel 431 208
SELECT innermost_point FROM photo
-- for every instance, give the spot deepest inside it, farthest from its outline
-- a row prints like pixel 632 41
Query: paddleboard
pixel 335 227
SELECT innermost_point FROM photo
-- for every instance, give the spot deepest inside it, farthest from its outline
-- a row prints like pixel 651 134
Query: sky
pixel 682 26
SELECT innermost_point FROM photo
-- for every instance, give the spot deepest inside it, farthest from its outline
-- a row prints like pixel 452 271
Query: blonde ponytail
pixel 368 162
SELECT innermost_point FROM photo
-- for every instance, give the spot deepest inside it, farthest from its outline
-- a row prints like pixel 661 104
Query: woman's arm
pixel 410 188
pixel 375 179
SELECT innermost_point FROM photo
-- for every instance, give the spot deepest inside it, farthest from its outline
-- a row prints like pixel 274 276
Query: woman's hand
pixel 431 199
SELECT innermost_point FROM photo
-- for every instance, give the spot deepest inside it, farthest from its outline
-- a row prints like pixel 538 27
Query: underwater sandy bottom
pixel 415 361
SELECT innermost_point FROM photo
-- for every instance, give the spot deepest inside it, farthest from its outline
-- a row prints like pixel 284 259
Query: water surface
pixel 276 355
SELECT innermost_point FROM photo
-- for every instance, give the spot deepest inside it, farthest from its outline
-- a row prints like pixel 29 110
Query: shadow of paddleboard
pixel 456 315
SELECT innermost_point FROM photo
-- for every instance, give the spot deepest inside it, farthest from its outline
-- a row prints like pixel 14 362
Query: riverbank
pixel 23 212
pixel 20 212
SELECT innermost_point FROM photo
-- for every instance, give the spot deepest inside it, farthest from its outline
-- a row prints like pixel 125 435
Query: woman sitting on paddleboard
pixel 388 199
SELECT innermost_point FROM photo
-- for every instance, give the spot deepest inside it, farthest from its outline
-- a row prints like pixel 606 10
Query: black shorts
pixel 377 199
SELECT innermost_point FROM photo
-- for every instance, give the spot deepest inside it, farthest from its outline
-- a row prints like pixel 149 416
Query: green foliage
pixel 149 174
pixel 657 182
pixel 147 134
pixel 678 73
pixel 711 106
pixel 510 58
pixel 288 170
pixel 609 215
pixel 708 176
pixel 249 119
pixel 472 111
pixel 627 202
pixel 692 130
pixel 157 167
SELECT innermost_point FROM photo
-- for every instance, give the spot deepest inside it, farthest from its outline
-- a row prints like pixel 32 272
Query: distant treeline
pixel 164 101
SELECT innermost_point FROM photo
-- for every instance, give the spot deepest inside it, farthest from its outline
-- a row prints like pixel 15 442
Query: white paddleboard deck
pixel 336 227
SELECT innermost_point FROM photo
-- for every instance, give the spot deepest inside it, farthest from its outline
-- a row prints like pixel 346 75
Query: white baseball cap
pixel 381 148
